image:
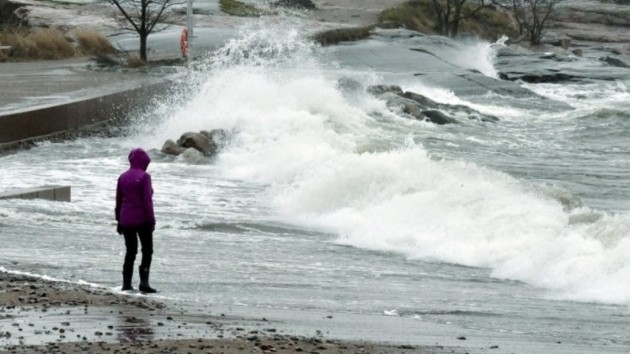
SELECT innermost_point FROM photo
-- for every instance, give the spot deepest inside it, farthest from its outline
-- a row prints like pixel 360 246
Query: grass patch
pixel 50 44
pixel 38 44
pixel 337 35
pixel 93 43
pixel 237 8
pixel 419 15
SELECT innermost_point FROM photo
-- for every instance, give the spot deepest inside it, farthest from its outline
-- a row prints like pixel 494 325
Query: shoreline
pixel 40 315
pixel 46 316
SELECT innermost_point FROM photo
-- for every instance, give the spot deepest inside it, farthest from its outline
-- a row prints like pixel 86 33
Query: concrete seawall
pixel 49 120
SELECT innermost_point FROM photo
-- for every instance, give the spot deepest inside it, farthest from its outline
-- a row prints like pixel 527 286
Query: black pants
pixel 132 234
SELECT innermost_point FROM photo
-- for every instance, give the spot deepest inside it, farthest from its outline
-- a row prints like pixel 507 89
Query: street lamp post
pixel 189 14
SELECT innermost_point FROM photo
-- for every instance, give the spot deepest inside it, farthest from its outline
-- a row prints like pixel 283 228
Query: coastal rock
pixel 378 90
pixel 617 61
pixel 171 148
pixel 207 143
pixel 438 117
pixel 200 141
pixel 538 77
pixel 423 108
pixel 348 85
pixel 193 156
pixel 449 113
pixel 544 65
pixel 299 4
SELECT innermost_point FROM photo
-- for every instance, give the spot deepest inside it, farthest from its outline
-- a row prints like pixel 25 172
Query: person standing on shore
pixel 135 217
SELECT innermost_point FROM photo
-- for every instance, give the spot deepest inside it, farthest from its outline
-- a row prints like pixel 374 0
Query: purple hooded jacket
pixel 134 192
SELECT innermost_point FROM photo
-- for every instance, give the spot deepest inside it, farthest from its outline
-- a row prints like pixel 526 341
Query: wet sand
pixel 42 316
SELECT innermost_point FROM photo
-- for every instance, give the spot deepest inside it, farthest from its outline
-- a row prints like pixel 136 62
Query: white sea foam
pixel 295 131
pixel 587 96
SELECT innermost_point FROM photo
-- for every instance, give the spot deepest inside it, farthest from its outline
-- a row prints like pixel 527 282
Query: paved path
pixel 27 84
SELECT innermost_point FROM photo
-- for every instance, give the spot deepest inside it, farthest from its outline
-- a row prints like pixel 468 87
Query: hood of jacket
pixel 139 159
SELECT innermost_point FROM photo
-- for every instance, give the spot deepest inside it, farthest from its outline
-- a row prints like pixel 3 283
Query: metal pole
pixel 189 14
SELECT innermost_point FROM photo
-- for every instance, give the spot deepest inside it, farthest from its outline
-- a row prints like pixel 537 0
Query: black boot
pixel 144 281
pixel 127 275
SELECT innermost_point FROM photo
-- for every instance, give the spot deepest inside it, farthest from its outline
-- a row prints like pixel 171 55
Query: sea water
pixel 327 201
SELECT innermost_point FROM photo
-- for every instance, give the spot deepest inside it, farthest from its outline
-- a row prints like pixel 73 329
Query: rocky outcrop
pixel 208 143
pixel 299 4
pixel 548 64
pixel 590 21
pixel 423 108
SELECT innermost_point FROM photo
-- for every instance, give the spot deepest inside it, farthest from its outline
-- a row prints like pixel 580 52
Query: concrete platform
pixel 55 193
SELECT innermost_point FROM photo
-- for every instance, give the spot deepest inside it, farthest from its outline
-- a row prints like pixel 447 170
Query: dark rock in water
pixel 438 117
pixel 348 85
pixel 422 100
pixel 300 4
pixel 171 148
pixel 452 110
pixel 378 90
pixel 199 141
pixel 539 77
pixel 205 142
pixel 616 61
pixel 424 108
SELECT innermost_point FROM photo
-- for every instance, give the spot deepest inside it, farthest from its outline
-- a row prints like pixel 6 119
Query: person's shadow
pixel 132 329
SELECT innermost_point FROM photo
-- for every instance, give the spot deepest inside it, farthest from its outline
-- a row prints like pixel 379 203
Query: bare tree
pixel 143 15
pixel 531 17
pixel 451 12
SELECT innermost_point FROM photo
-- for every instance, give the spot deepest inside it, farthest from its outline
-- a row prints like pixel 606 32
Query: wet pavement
pixel 31 84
